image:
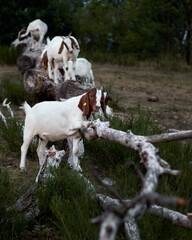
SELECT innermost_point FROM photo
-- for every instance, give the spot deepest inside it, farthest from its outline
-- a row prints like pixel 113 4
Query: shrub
pixel 12 134
pixel 14 90
pixel 8 55
pixel 67 202
pixel 9 228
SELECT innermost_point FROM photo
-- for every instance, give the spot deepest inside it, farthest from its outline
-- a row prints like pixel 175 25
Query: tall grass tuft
pixel 12 136
pixel 68 203
pixel 14 90
pixel 9 55
pixel 11 223
pixel 172 64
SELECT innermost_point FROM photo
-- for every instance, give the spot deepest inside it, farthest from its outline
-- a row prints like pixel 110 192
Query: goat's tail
pixel 26 107
pixel 48 40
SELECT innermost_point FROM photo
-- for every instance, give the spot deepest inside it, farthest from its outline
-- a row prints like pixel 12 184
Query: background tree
pixel 142 28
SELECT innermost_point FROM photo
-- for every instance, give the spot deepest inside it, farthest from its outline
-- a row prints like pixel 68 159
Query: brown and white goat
pixel 53 121
pixel 37 30
pixel 62 49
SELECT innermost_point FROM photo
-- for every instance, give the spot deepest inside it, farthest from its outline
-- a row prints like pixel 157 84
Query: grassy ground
pixel 64 202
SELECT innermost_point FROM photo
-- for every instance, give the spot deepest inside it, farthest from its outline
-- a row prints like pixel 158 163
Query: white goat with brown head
pixel 62 49
pixel 36 30
pixel 53 121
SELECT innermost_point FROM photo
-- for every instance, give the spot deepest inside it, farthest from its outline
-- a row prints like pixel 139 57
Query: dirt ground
pixel 131 86
pixel 138 85
pixel 171 92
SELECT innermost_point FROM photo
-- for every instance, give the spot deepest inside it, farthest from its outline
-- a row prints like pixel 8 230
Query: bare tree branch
pixel 155 166
pixel 175 217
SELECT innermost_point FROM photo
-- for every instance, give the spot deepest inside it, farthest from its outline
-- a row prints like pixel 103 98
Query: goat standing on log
pixel 83 68
pixel 37 30
pixel 53 121
pixel 62 49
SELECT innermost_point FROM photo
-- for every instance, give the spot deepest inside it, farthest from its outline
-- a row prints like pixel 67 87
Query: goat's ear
pixel 74 44
pixel 84 105
pixel 61 47
pixel 104 102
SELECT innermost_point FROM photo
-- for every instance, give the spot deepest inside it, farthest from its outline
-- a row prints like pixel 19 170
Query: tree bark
pixel 29 59
pixel 36 81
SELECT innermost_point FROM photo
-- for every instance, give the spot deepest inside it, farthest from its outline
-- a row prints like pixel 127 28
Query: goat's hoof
pixel 23 169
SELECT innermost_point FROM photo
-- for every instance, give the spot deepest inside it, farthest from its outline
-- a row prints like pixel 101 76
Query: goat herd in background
pixel 58 54
pixel 58 120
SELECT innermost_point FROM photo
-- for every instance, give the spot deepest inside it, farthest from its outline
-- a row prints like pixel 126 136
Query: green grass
pixel 8 55
pixel 68 204
pixel 12 136
pixel 9 228
pixel 14 91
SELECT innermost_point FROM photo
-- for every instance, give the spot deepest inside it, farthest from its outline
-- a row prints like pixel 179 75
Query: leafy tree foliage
pixel 142 28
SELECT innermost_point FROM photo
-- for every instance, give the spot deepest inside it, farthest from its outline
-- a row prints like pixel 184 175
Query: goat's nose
pixel 71 52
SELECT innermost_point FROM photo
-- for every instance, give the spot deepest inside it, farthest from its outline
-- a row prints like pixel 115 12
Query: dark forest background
pixel 140 28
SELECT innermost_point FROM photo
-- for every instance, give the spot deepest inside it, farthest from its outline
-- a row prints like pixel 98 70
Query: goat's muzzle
pixel 96 109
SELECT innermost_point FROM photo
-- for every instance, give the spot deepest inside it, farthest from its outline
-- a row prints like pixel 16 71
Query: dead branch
pixel 167 137
pixel 155 166
pixel 175 217
pixel 27 202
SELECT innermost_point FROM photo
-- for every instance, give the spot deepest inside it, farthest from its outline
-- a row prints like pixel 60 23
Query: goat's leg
pixel 26 141
pixel 41 36
pixel 50 65
pixel 55 71
pixel 32 42
pixel 40 150
pixel 66 66
pixel 73 70
pixel 75 164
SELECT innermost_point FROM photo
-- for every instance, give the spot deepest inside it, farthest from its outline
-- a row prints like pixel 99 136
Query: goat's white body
pixel 37 29
pixel 53 121
pixel 66 55
pixel 83 69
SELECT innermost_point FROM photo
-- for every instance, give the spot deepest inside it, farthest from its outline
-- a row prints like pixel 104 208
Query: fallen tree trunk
pixel 29 59
pixel 37 82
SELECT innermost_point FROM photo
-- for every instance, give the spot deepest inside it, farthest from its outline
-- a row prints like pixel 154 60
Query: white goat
pixel 83 69
pixel 37 30
pixel 62 49
pixel 53 121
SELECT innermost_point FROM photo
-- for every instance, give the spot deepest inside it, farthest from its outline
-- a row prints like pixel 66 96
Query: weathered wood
pixel 24 63
pixel 29 59
pixel 27 203
pixel 36 81
pixel 68 89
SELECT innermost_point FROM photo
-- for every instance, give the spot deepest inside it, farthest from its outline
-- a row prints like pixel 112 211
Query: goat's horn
pixel 70 34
